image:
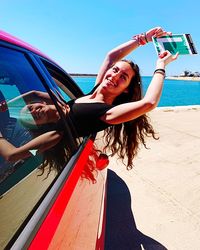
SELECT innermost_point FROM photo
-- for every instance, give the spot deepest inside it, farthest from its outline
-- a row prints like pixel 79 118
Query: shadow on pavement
pixel 121 230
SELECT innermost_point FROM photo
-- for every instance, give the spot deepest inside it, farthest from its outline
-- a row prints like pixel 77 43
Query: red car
pixel 54 198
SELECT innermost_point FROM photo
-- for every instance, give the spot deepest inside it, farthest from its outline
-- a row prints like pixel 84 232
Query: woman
pixel 116 104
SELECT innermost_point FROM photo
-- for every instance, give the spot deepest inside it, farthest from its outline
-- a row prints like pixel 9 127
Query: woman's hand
pixel 156 32
pixel 165 58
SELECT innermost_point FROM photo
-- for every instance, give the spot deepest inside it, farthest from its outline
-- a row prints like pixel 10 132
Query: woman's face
pixel 118 78
pixel 42 113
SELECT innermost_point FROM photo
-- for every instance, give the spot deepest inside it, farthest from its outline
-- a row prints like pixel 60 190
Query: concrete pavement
pixel 156 205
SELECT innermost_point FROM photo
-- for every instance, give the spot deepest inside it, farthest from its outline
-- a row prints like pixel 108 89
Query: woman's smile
pixel 111 83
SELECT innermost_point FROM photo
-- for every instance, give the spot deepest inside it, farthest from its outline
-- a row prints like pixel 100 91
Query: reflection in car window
pixel 61 79
pixel 66 89
pixel 33 143
pixel 62 89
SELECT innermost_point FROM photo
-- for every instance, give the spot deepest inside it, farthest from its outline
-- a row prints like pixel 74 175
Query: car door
pixel 36 181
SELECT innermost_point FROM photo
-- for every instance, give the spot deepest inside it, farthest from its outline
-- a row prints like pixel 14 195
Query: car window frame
pixel 46 82
pixel 36 62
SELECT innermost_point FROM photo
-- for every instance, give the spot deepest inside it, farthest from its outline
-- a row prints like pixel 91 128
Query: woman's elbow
pixel 111 57
pixel 150 105
pixel 12 157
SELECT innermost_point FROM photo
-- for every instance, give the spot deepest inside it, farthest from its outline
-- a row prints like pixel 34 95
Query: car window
pixel 66 88
pixel 34 142
pixel 63 81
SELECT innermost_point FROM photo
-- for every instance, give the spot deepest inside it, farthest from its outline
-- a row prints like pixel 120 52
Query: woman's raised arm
pixel 126 48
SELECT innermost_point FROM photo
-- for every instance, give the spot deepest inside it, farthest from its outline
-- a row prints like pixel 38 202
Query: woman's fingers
pixel 163 54
pixel 167 57
pixel 162 32
pixel 175 56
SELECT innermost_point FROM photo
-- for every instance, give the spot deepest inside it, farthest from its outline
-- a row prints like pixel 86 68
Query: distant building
pixel 188 73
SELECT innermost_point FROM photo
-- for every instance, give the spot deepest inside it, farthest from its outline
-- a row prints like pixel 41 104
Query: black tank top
pixel 86 117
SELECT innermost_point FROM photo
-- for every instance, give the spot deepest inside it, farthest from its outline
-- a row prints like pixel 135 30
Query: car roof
pixel 4 36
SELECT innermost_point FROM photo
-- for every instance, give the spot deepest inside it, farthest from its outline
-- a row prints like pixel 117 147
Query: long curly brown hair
pixel 124 139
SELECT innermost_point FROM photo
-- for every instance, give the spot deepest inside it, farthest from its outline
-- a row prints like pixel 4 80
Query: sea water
pixel 175 92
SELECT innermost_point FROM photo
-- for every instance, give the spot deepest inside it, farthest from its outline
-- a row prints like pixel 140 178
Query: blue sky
pixel 78 34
